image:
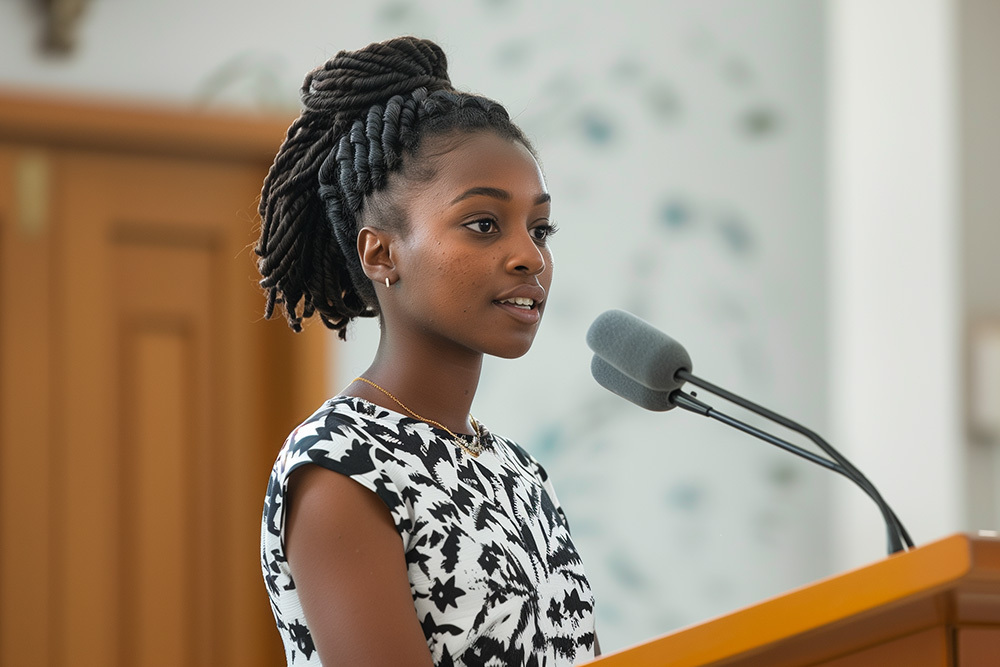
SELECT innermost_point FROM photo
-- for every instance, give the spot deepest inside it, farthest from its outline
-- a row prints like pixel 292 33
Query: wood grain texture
pixel 978 646
pixel 28 527
pixel 143 398
pixel 32 118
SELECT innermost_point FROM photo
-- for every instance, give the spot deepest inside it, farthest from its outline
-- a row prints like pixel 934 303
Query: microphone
pixel 638 350
pixel 660 401
pixel 618 383
pixel 625 346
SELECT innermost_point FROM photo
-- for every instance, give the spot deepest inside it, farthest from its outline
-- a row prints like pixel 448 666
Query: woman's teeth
pixel 520 302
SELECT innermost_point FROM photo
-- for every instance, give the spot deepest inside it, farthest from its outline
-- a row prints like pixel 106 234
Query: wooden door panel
pixel 142 396
pixel 27 523
pixel 159 625
pixel 149 291
pixel 88 503
pixel 165 294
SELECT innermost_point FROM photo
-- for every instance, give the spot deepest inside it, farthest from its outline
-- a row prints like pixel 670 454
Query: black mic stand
pixel 896 534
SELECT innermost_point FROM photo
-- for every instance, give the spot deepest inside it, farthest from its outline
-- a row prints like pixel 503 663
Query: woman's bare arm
pixel 347 562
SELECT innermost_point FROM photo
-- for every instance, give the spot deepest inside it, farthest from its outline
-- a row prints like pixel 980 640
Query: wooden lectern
pixel 935 605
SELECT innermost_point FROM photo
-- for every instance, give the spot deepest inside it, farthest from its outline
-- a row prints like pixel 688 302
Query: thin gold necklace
pixel 477 445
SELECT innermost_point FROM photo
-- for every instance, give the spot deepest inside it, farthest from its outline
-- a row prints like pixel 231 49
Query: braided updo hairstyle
pixel 365 115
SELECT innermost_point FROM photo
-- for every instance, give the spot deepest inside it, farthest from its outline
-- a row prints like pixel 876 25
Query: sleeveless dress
pixel 494 574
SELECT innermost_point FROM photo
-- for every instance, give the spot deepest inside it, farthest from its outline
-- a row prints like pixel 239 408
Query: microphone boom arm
pixel 896 533
pixel 691 404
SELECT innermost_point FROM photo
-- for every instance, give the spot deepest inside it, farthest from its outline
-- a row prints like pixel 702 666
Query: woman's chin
pixel 511 350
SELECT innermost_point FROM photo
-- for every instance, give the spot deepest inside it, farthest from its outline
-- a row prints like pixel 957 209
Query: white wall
pixel 894 284
pixel 979 95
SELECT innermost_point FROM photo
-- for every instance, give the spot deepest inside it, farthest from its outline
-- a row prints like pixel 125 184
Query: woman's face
pixel 474 266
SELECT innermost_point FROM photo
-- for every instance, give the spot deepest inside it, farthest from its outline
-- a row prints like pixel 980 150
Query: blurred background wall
pixel 800 192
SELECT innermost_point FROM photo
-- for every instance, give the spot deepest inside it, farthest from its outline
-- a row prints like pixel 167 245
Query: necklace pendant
pixel 473 448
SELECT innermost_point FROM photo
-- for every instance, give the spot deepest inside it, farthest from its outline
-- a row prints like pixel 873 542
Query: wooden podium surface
pixel 935 605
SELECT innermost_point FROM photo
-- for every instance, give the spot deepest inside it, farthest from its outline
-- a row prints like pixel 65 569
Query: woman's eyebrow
pixel 496 193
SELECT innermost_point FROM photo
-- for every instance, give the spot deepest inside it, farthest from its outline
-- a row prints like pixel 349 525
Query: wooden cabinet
pixel 143 397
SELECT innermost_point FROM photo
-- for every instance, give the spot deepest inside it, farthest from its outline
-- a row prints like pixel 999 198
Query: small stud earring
pixel 387 281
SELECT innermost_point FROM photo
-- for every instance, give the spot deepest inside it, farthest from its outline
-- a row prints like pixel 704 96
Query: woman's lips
pixel 522 302
pixel 529 315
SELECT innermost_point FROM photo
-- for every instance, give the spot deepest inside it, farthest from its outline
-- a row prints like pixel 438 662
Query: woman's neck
pixel 433 382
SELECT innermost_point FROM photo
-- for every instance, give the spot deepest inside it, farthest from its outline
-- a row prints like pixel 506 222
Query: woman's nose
pixel 525 255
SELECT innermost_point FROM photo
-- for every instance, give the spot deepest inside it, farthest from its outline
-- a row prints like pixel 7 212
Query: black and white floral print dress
pixel 494 574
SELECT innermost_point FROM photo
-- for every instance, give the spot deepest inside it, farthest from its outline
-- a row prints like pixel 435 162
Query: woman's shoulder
pixel 345 427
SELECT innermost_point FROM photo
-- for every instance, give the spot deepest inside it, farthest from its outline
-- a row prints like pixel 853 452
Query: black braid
pixel 364 113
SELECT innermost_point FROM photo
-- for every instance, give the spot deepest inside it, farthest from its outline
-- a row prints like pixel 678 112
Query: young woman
pixel 398 530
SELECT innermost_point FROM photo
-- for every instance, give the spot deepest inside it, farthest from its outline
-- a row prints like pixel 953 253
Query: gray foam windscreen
pixel 618 383
pixel 638 350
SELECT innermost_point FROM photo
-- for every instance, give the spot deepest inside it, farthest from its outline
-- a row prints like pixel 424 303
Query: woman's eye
pixel 543 232
pixel 484 226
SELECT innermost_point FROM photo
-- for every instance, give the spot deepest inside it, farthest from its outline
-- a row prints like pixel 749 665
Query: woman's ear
pixel 376 258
